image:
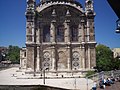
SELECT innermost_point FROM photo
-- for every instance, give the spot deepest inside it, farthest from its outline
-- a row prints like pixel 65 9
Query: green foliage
pixel 13 54
pixel 90 73
pixel 104 58
pixel 116 64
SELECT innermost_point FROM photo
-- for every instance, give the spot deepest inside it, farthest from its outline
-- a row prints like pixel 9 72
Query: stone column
pixel 52 39
pixel 93 57
pixel 67 31
pixel 38 59
pixel 41 56
pixel 69 59
pixel 33 32
pixel 21 55
pixel 53 59
pixel 88 31
pixel 52 31
pixel 83 57
pixel 67 40
pixel 86 57
pixel 34 58
pixel 89 58
pixel 80 31
pixel 38 36
pixel 83 42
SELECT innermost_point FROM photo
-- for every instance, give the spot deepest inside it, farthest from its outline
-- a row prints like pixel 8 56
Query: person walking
pixel 94 86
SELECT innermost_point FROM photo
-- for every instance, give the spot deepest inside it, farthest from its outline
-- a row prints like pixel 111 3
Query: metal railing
pixel 104 74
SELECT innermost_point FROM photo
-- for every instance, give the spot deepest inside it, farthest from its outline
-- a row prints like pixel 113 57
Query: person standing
pixel 94 86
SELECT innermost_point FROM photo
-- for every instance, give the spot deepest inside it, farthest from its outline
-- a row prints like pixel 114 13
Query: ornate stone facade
pixel 60 36
pixel 23 61
pixel 116 52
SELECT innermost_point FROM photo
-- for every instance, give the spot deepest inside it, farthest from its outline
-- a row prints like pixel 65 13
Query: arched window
pixel 46 33
pixel 24 54
pixel 62 61
pixel 76 60
pixel 60 33
pixel 89 4
pixel 46 60
pixel 74 33
pixel 29 28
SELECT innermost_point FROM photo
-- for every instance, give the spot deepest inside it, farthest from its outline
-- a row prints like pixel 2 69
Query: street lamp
pixel 44 75
pixel 118 26
pixel 75 83
pixel 87 83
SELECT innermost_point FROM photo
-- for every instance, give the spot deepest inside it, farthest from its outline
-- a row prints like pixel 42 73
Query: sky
pixel 13 23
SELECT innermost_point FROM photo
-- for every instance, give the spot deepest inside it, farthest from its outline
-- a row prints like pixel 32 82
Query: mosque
pixel 60 36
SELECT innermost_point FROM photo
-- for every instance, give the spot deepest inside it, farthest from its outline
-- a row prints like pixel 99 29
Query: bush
pixel 90 73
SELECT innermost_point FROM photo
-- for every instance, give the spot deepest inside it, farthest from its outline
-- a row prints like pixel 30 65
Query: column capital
pixel 53 13
pixel 67 31
pixel 67 21
pixel 38 59
pixel 53 21
pixel 52 31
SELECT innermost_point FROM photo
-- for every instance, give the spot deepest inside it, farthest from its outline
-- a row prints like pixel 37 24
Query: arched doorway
pixel 62 61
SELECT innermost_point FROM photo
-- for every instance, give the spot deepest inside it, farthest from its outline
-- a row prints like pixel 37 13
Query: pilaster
pixel 88 31
pixel 89 57
pixel 38 59
pixel 52 31
pixel 67 31
pixel 69 58
pixel 30 24
pixel 83 57
pixel 38 36
pixel 53 58
pixel 82 29
pixel 41 56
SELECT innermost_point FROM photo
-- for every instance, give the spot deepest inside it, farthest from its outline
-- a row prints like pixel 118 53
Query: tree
pixel 104 58
pixel 13 54
pixel 116 64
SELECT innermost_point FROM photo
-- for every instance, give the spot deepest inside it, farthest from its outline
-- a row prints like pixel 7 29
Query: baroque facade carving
pixel 60 36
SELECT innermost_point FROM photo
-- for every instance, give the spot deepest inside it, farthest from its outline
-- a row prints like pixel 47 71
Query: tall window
pixel 46 60
pixel 74 33
pixel 89 4
pixel 29 28
pixel 60 33
pixel 46 34
pixel 24 54
pixel 75 60
pixel 62 60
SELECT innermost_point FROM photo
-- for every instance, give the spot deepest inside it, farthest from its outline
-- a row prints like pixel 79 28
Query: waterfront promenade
pixel 11 76
pixel 115 86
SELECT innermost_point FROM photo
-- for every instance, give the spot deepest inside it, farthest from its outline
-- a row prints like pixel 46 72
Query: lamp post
pixel 118 26
pixel 34 73
pixel 44 75
pixel 87 82
pixel 75 82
